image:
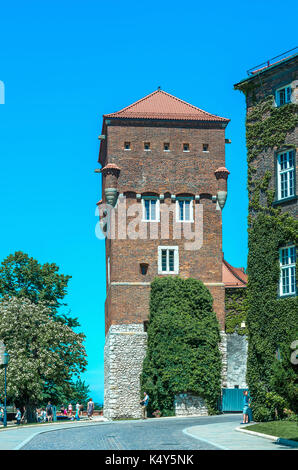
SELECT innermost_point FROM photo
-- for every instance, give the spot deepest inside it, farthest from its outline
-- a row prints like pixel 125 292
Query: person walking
pixel 43 416
pixel 18 416
pixel 144 404
pixel 49 411
pixel 78 408
pixel 70 410
pixel 246 405
pixel 24 417
pixel 1 415
pixel 90 408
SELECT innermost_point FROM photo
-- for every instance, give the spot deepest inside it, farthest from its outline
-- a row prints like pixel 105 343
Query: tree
pixel 80 392
pixel 45 354
pixel 24 277
pixel 183 336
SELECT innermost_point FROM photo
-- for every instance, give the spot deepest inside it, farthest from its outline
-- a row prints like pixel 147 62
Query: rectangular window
pixel 168 260
pixel 287 258
pixel 205 148
pixel 283 95
pixel 126 145
pixel 150 209
pixel 184 210
pixel 185 147
pixel 286 174
pixel 146 145
pixel 166 147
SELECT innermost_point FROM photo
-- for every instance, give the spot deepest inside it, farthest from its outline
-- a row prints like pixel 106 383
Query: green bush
pixel 261 413
pixel 292 417
pixel 275 405
pixel 183 336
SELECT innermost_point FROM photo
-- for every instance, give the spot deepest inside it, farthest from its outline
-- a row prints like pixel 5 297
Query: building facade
pixel 164 184
pixel 271 92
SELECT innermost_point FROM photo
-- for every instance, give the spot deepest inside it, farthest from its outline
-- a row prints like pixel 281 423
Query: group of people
pixel 47 414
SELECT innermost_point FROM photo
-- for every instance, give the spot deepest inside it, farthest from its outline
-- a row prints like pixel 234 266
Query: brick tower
pixel 165 160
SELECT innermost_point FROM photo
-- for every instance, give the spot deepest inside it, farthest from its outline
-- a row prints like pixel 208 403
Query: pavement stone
pixel 13 437
pixel 226 437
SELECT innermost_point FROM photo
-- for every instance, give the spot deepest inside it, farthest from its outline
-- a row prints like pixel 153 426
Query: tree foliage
pixel 183 336
pixel 45 355
pixel 23 277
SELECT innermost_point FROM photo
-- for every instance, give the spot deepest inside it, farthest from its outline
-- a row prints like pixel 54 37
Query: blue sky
pixel 64 64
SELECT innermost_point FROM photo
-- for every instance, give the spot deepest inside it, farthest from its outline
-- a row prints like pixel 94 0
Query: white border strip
pixel 185 431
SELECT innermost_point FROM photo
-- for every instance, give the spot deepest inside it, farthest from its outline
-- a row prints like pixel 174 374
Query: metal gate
pixel 232 399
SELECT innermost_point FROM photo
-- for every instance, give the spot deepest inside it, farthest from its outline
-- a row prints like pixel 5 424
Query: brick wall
pixel 170 173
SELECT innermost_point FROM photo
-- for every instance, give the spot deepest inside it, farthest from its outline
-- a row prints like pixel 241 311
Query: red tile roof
pixel 233 277
pixel 162 105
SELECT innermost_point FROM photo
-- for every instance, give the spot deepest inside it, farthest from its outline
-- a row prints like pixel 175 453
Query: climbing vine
pixel 271 321
pixel 236 311
pixel 183 355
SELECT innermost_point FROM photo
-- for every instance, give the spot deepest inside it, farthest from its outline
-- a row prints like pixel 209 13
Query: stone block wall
pixel 124 353
pixel 236 360
pixel 190 405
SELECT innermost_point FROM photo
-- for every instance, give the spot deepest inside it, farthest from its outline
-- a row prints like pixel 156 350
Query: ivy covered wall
pixel 272 321
pixel 236 310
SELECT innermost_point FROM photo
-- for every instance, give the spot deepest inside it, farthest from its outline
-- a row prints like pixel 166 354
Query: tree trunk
pixel 30 413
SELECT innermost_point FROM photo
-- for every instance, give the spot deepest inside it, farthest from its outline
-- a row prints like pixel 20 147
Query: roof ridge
pixel 133 104
pixel 185 102
pixel 231 269
pixel 179 100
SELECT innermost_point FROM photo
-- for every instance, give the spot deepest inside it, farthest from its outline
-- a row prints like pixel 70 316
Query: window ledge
pixel 286 296
pixel 285 200
pixel 167 273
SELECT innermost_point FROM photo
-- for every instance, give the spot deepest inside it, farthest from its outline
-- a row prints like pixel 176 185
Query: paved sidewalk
pixel 225 437
pixel 13 438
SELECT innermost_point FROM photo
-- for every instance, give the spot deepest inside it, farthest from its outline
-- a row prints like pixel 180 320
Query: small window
pixel 166 147
pixel 146 145
pixel 168 260
pixel 283 95
pixel 184 210
pixel 150 209
pixel 126 145
pixel 144 268
pixel 205 148
pixel 185 147
pixel 287 257
pixel 286 175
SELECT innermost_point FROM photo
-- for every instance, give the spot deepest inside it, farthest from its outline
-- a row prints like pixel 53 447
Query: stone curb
pixel 278 440
pixel 55 423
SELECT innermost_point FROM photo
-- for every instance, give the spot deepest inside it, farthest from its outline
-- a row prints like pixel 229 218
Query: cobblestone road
pixel 155 434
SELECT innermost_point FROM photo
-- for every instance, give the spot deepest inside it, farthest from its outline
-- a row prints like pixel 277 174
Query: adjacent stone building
pixel 271 93
pixel 163 159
